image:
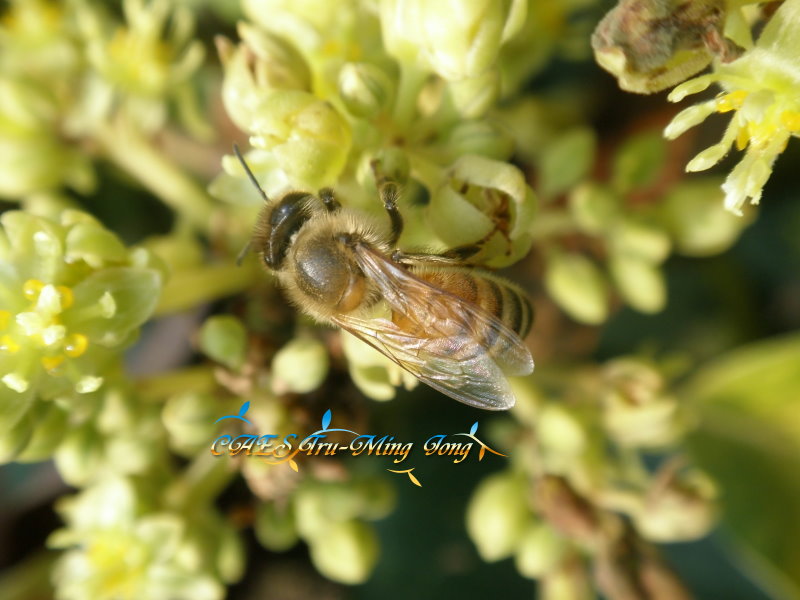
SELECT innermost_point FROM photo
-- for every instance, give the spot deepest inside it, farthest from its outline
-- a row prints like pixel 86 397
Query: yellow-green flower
pixel 119 548
pixel 457 39
pixel 34 156
pixel 146 62
pixel 761 90
pixel 72 297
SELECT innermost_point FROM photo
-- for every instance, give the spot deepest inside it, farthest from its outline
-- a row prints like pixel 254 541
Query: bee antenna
pixel 243 253
pixel 249 173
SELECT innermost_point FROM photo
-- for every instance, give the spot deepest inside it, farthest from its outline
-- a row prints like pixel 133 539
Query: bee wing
pixel 442 314
pixel 460 368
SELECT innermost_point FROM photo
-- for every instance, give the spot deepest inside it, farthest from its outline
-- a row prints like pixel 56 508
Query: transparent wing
pixel 440 314
pixel 456 367
pixel 444 340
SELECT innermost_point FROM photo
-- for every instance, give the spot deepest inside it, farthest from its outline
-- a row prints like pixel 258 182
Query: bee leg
pixel 329 199
pixel 454 257
pixel 389 192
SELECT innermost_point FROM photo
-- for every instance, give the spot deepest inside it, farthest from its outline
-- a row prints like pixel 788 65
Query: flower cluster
pixel 563 495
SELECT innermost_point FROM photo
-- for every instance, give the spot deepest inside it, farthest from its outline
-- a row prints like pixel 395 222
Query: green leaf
pixel 748 439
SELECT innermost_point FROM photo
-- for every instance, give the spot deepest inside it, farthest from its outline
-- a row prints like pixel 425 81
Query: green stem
pixel 191 379
pixel 201 482
pixel 135 154
pixel 185 289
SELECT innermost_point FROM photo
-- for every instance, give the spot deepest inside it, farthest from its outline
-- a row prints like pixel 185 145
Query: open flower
pixel 762 91
pixel 72 296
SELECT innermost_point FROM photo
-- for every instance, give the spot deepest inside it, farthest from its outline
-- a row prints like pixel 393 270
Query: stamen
pixel 67 297
pixel 75 345
pixel 51 363
pixel 8 345
pixel 731 101
pixel 31 289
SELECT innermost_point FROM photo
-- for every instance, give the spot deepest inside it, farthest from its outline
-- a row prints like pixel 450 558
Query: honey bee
pixel 453 327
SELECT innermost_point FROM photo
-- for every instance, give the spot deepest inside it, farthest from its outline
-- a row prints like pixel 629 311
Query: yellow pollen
pixel 52 362
pixel 742 138
pixel 31 289
pixel 732 101
pixel 75 345
pixel 791 120
pixel 67 298
pixel 5 317
pixel 8 345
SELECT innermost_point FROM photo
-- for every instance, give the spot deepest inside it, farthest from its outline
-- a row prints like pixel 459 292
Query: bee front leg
pixel 389 192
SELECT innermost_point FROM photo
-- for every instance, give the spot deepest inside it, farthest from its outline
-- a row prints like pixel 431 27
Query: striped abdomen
pixel 499 298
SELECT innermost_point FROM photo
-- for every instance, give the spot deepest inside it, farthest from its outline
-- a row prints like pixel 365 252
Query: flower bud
pixel 189 419
pixel 569 582
pixel 484 138
pixel 300 366
pixel 275 62
pixel 458 39
pixel 640 283
pixel 578 286
pixel 275 527
pixel 636 411
pixel 594 207
pixel 678 510
pixel 365 89
pixel 224 339
pixel 497 514
pixel 566 160
pixel 346 552
pixel 642 240
pixel 539 551
pixel 474 96
pixel 639 161
pixel 656 424
pixel 697 220
pixel 561 435
pixel 307 136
